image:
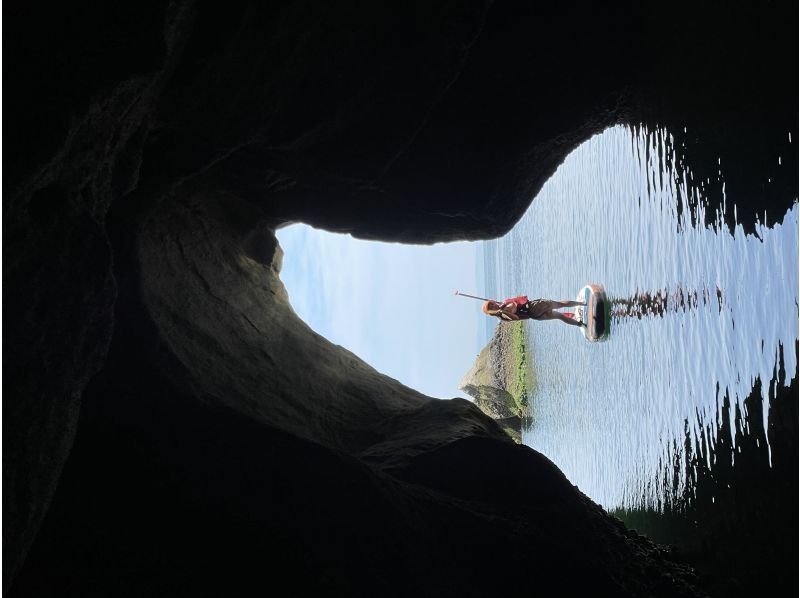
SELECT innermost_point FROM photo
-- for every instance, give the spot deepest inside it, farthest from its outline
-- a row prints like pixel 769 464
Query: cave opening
pixel 622 419
pixel 172 427
pixel 391 304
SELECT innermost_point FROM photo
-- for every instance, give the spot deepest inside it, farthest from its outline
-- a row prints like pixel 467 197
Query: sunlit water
pixel 702 311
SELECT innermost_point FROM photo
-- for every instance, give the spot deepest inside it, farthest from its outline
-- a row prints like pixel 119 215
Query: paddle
pixel 472 296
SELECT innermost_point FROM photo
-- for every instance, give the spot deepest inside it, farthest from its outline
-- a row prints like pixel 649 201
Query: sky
pixel 391 304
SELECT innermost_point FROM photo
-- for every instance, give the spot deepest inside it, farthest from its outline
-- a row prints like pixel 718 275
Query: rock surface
pixel 206 450
pixel 153 152
pixel 491 382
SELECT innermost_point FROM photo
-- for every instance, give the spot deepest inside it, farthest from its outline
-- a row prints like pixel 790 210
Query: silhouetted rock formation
pixel 150 152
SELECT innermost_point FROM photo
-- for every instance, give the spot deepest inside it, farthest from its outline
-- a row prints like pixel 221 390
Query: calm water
pixel 701 312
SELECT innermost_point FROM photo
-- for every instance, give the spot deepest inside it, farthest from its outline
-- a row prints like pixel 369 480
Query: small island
pixel 501 380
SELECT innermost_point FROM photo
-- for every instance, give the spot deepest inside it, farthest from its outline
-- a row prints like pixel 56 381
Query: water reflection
pixel 702 312
pixel 646 303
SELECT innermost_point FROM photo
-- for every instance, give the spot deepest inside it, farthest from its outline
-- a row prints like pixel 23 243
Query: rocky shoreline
pixel 500 380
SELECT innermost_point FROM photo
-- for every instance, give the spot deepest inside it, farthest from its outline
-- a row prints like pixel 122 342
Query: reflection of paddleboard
pixel 596 316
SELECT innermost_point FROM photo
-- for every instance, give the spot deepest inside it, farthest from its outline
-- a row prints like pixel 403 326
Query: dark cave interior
pixel 171 427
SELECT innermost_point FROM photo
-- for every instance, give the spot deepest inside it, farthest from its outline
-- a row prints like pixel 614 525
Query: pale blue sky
pixel 389 303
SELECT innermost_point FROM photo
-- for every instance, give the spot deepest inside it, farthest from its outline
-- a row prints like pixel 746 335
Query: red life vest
pixel 521 300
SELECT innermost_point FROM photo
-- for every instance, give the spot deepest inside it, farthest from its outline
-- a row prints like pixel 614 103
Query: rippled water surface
pixel 700 312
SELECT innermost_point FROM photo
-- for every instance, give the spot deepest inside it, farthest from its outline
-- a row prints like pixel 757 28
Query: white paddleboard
pixel 596 316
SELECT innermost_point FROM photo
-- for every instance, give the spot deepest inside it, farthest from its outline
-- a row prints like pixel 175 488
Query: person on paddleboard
pixel 521 308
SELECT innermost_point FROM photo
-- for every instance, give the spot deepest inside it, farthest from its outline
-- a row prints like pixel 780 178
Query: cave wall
pixel 225 316
pixel 77 118
pixel 225 446
pixel 155 149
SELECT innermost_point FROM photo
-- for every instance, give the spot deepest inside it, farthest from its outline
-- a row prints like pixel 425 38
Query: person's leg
pixel 538 307
pixel 557 315
pixel 568 303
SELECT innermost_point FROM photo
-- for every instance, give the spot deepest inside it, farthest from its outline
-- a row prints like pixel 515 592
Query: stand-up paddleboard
pixel 596 316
